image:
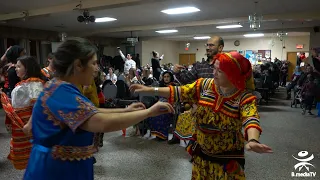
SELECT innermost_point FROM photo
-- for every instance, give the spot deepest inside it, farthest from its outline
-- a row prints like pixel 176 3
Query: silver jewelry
pixel 156 91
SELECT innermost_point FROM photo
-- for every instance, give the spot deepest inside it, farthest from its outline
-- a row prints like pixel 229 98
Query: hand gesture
pixel 27 128
pixel 177 68
pixel 135 107
pixel 160 108
pixel 138 88
pixel 258 148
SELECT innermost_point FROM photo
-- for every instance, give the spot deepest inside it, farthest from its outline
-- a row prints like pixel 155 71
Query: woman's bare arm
pixel 108 122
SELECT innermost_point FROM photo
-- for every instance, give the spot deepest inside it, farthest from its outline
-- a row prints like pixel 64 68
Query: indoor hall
pixel 160 45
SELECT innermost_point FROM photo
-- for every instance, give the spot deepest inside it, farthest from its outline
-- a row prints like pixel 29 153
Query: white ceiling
pixel 143 17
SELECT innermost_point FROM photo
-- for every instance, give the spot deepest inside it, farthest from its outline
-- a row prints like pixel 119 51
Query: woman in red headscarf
pixel 225 106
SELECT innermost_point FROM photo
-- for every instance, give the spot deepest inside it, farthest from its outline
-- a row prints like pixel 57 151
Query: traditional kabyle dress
pixel 61 150
pixel 218 152
pixel 19 111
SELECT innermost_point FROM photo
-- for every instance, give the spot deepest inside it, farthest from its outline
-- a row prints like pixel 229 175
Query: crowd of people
pixel 304 82
pixel 62 108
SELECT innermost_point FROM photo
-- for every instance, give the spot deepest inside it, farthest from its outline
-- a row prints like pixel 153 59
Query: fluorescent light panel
pixel 230 26
pixel 254 35
pixel 182 10
pixel 167 31
pixel 105 19
pixel 201 37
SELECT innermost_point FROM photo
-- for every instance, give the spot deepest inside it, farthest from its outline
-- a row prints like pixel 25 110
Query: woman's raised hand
pixel 160 108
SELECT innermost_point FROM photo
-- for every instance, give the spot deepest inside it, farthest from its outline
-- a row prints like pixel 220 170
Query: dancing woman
pixel 224 108
pixel 23 96
pixel 64 120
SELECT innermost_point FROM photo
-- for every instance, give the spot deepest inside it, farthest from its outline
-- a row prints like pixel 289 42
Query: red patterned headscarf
pixel 237 69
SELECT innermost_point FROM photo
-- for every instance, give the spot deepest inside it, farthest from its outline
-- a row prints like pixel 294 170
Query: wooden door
pixel 187 59
pixel 292 58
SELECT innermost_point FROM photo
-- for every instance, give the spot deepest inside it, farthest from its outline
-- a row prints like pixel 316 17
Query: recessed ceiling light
pixel 201 37
pixel 254 35
pixel 182 10
pixel 230 26
pixel 167 31
pixel 105 19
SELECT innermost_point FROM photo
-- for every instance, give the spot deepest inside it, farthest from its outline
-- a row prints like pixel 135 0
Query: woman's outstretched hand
pixel 258 148
pixel 136 107
pixel 160 108
pixel 138 88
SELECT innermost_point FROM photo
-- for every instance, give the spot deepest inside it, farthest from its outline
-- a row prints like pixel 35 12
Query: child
pixel 308 93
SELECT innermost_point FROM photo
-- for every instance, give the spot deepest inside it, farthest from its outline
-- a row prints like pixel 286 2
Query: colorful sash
pixel 20 145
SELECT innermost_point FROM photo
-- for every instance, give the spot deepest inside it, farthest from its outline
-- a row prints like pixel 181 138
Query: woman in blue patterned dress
pixel 159 126
pixel 64 121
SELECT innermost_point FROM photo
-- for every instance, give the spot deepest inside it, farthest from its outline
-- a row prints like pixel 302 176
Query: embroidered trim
pixel 251 126
pixel 29 80
pixel 75 119
pixel 172 94
pixel 198 86
pixel 220 100
pixel 72 153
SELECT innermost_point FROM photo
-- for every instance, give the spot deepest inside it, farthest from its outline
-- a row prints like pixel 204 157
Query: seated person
pixel 111 75
pixel 294 80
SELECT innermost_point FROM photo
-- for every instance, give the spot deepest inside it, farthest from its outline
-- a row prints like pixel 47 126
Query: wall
pixel 18 33
pixel 113 51
pixel 172 49
pixel 253 44
pixel 314 42
pixel 168 48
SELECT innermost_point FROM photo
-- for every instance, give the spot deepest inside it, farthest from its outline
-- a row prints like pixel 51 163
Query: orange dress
pixel 18 113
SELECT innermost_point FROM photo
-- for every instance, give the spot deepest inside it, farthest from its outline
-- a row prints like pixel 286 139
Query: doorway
pixel 292 58
pixel 187 59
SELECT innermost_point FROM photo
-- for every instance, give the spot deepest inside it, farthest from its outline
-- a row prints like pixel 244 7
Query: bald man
pixel 200 69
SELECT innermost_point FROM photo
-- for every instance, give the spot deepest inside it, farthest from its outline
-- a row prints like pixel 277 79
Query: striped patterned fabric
pixel 20 145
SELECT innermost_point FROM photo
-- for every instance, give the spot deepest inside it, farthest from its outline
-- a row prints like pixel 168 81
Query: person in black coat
pixel 156 68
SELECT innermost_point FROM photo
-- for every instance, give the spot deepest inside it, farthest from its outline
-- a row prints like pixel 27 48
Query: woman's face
pixel 110 70
pixel 20 70
pixel 220 77
pixel 166 78
pixel 89 72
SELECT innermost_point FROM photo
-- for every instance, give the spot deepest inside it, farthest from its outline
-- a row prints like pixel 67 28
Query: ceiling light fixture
pixel 230 26
pixel 167 31
pixel 104 19
pixel 182 10
pixel 201 37
pixel 254 35
pixel 86 18
pixel 255 20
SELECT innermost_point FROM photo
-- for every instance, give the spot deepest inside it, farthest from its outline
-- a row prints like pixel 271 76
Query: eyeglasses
pixel 210 45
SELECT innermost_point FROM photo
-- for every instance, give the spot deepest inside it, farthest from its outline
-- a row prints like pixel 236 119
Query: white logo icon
pixel 304 164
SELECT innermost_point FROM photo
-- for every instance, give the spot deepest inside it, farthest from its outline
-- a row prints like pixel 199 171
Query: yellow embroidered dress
pixel 218 152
